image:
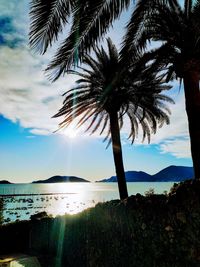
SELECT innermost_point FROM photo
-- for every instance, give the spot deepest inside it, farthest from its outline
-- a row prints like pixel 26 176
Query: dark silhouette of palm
pixel 178 28
pixel 89 21
pixel 106 92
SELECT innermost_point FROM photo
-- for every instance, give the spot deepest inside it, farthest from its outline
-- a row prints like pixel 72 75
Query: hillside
pixel 171 173
pixel 4 182
pixel 174 173
pixel 60 179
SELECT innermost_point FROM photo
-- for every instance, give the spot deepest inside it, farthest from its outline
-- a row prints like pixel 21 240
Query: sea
pixel 23 200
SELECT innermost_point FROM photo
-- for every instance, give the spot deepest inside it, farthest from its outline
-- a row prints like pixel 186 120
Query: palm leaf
pixel 90 24
pixel 47 20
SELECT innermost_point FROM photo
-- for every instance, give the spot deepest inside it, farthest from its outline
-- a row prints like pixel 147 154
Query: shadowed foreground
pixel 156 230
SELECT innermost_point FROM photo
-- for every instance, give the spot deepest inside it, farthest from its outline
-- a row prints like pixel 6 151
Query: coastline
pixel 152 230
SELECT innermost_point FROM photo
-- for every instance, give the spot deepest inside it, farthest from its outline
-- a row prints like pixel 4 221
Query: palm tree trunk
pixel 192 100
pixel 117 154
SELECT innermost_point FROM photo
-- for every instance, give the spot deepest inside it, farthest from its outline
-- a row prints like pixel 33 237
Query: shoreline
pixel 152 230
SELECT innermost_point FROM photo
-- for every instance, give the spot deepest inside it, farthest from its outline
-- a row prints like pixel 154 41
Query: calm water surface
pixel 66 197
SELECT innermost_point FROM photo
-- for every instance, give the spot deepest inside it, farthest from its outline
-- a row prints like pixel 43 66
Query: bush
pixel 146 231
pixel 149 192
pixel 1 210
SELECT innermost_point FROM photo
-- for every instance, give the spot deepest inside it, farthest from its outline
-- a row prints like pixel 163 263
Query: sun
pixel 70 132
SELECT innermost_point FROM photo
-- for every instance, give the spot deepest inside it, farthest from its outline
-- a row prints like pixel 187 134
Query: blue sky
pixel 30 150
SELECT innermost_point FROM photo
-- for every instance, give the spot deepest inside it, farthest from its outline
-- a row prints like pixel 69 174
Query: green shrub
pixel 1 210
pixel 142 231
pixel 146 231
pixel 149 192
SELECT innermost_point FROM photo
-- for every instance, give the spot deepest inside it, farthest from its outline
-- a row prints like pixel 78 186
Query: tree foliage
pixel 176 27
pixel 89 21
pixel 106 86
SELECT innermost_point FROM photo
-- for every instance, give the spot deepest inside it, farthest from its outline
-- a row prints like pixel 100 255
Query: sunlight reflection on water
pixel 65 198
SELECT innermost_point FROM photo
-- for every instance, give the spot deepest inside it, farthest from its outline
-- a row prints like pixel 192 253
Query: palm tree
pixel 106 92
pixel 178 29
pixel 164 20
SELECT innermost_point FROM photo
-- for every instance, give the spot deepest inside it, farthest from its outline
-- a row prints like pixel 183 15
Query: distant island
pixel 4 182
pixel 169 174
pixel 61 179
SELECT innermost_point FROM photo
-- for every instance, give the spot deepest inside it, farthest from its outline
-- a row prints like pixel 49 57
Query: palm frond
pixel 135 27
pixel 90 23
pixel 175 6
pixel 47 20
pixel 111 88
pixel 188 8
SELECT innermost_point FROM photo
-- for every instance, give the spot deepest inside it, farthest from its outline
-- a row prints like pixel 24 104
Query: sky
pixel 30 150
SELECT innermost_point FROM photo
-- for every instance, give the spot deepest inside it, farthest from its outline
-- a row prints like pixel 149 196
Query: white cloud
pixel 25 95
pixel 178 127
pixel 178 148
pixel 40 132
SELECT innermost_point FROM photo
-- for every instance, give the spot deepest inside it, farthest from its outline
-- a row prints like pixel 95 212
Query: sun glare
pixel 70 132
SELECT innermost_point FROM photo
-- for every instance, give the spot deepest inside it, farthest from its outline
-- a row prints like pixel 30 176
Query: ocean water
pixel 61 198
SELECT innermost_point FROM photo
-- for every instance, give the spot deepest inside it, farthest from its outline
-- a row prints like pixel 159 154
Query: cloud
pixel 40 132
pixel 25 95
pixel 178 127
pixel 178 148
pixel 8 34
pixel 174 138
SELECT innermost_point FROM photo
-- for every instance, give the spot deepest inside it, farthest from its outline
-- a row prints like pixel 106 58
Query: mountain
pixel 4 182
pixel 60 179
pixel 174 173
pixel 131 176
pixel 171 173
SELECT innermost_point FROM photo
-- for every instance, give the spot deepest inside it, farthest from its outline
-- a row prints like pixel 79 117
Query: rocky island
pixel 60 179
